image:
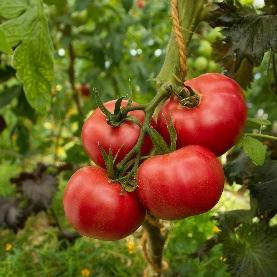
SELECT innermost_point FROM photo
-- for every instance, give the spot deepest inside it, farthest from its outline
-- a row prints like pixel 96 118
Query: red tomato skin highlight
pixel 96 131
pixel 216 123
pixel 186 182
pixel 96 208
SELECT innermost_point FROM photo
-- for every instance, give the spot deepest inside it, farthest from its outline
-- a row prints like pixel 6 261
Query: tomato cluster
pixel 185 182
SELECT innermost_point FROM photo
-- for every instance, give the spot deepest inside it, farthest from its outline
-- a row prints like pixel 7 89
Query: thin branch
pixel 71 75
pixel 205 248
pixel 261 136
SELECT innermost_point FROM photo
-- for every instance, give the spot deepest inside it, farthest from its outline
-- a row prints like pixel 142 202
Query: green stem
pixel 134 108
pixel 261 136
pixel 190 13
pixel 164 92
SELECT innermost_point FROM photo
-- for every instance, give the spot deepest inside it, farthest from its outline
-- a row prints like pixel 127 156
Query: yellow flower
pixel 216 229
pixel 131 246
pixel 222 259
pixel 61 152
pixel 8 247
pixel 85 272
pixel 72 111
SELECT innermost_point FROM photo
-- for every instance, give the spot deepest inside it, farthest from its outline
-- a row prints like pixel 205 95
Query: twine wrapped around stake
pixel 180 40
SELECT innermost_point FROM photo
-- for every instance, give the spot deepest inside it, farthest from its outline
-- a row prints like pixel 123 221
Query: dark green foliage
pixel 266 195
pixel 251 250
pixel 76 155
pixel 8 94
pixel 248 36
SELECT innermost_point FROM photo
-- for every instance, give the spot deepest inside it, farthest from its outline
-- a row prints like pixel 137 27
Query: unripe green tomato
pixel 214 35
pixel 212 66
pixel 205 49
pixel 201 63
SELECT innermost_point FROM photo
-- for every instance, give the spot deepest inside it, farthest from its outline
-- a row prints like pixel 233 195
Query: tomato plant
pixel 98 208
pixel 216 122
pixel 109 46
pixel 97 133
pixel 186 182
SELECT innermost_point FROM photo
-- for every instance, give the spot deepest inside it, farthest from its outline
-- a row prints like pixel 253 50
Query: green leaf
pixel 34 65
pixel 3 123
pixel 12 9
pixel 160 145
pixel 251 250
pixel 22 137
pixel 229 220
pixel 255 149
pixel 8 94
pixel 266 195
pixel 127 4
pixel 6 72
pixel 60 4
pixel 238 167
pixel 33 57
pixel 76 155
pixel 4 44
pixel 23 108
pixel 248 35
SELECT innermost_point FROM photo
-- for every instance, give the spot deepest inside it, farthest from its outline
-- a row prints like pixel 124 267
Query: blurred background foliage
pixel 117 48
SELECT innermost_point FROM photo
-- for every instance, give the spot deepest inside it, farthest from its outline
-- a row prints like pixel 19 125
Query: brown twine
pixel 149 260
pixel 179 39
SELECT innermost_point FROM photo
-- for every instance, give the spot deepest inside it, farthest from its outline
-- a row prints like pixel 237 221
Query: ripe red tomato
pixel 96 208
pixel 186 182
pixel 85 90
pixel 96 131
pixel 140 4
pixel 216 122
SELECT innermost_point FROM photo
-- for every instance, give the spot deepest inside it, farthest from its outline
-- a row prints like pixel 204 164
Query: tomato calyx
pixel 120 114
pixel 188 97
pixel 126 177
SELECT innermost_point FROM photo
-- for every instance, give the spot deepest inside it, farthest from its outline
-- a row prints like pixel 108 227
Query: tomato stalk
pixel 190 14
pixel 164 92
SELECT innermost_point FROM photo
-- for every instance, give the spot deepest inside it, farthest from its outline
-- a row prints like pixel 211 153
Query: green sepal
pixel 130 185
pixel 160 145
pixel 117 106
pixel 172 135
pixel 101 105
pixel 109 161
